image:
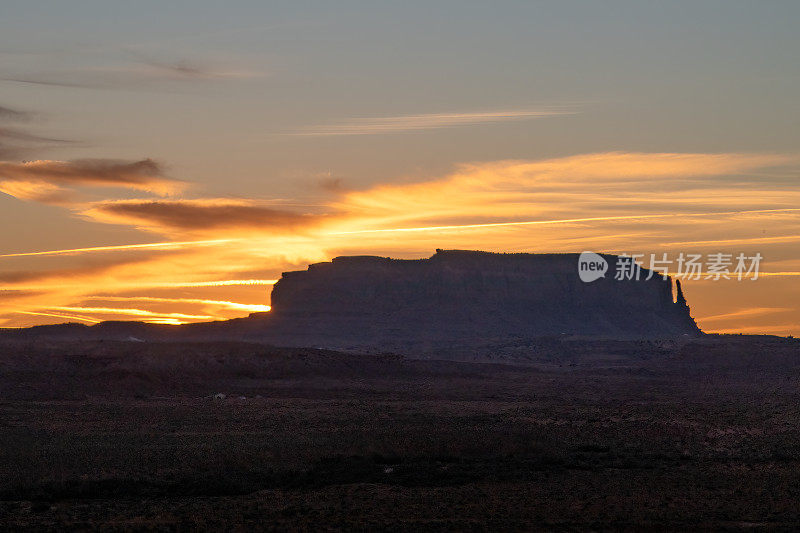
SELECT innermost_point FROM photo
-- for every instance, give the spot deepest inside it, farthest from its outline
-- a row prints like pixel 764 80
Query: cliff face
pixel 464 295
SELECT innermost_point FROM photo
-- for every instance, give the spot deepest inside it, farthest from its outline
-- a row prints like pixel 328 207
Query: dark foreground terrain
pixel 554 435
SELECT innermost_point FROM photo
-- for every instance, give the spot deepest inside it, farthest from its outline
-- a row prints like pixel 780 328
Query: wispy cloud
pixel 198 216
pixel 131 312
pixel 6 113
pixel 186 69
pixel 225 304
pixel 120 247
pixel 35 80
pixel 558 189
pixel 615 218
pixel 50 181
pixel 60 316
pixel 763 329
pixel 15 142
pixel 142 71
pixel 749 312
pixel 746 240
pixel 624 202
pixel 430 121
pixel 213 283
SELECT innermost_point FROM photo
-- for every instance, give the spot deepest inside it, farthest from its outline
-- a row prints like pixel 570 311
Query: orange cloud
pixel 61 315
pixel 131 312
pixel 749 312
pixel 224 304
pixel 522 188
pixel 406 123
pixel 615 202
pixel 216 283
pixel 597 219
pixel 118 247
pixel 54 181
pixel 197 216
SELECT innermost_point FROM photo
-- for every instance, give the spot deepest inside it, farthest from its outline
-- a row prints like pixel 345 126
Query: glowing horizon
pixel 243 233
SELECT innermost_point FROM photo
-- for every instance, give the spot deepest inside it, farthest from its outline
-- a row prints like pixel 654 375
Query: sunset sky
pixel 166 161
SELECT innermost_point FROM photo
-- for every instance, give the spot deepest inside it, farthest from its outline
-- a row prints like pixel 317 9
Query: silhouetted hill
pixel 459 295
pixel 452 299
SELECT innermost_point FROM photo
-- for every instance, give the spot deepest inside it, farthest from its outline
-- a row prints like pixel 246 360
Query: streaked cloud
pixel 15 142
pixel 58 274
pixel 131 312
pixel 137 71
pixel 225 304
pixel 119 247
pixel 197 216
pixel 214 283
pixel 763 329
pixel 748 240
pixel 188 69
pixel 16 293
pixel 749 312
pixel 613 202
pixel 6 113
pixel 61 316
pixel 578 190
pixel 589 219
pixel 430 121
pixel 55 181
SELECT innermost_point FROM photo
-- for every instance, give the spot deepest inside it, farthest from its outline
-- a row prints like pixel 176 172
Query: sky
pixel 167 161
